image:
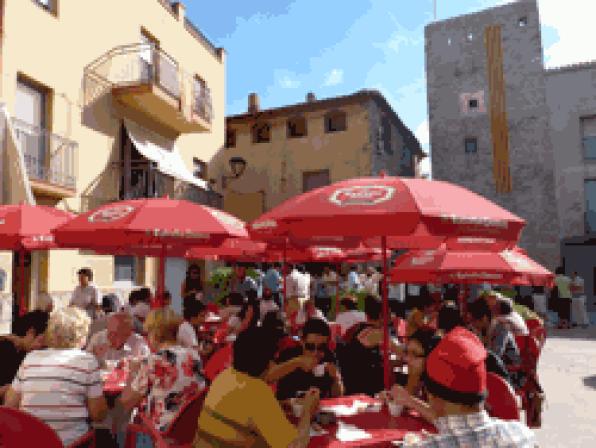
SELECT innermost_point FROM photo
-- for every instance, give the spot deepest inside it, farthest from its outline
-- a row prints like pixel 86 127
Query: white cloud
pixel 334 77
pixel 425 167
pixel 573 21
pixel 422 133
pixel 288 83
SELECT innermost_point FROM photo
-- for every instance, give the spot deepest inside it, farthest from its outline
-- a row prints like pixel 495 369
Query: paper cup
pixel 297 408
pixel 395 409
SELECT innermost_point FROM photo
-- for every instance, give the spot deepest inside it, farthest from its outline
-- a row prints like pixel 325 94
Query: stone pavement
pixel 567 372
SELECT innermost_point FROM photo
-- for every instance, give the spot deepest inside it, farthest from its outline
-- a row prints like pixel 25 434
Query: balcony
pixel 49 160
pixel 148 81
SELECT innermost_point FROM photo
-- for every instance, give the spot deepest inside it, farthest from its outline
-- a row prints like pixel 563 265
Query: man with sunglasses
pixel 310 365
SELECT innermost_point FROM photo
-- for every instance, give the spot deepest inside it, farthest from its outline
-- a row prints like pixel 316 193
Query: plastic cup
pixel 319 370
pixel 297 408
pixel 395 409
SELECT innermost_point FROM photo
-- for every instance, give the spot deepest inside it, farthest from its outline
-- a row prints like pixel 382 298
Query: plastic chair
pixel 18 428
pixel 529 349
pixel 501 402
pixel 537 330
pixel 180 433
pixel 219 361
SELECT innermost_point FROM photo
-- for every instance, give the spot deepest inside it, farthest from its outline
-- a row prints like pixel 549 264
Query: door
pixel 175 275
pixel 30 113
pixel 147 57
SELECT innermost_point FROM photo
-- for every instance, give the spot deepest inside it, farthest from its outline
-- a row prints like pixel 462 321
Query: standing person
pixel 331 280
pixel 578 305
pixel 321 295
pixel 563 284
pixel 354 279
pixel 272 281
pixel 397 297
pixel 455 379
pixel 292 282
pixel 243 283
pixel 371 282
pixel 350 315
pixel 304 282
pixel 86 295
pixel 192 284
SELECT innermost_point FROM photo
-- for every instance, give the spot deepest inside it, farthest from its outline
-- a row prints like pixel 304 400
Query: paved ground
pixel 567 371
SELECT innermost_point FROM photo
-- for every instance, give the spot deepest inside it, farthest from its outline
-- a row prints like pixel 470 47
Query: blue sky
pixel 283 49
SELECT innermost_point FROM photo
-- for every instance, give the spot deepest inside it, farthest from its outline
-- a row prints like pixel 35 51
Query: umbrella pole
pixel 161 281
pixel 338 267
pixel 283 275
pixel 387 373
pixel 22 281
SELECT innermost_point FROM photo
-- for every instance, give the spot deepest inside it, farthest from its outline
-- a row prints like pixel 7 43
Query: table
pixel 383 428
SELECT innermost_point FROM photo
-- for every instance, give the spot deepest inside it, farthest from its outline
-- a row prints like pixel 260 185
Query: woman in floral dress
pixel 169 377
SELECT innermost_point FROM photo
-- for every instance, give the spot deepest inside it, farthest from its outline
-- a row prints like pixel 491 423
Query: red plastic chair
pixel 537 330
pixel 18 428
pixel 529 349
pixel 219 361
pixel 181 431
pixel 501 402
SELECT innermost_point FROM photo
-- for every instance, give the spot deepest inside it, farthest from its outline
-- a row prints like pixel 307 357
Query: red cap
pixel 458 363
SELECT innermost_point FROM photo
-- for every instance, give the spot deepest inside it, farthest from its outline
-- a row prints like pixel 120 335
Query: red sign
pixel 111 214
pixel 362 195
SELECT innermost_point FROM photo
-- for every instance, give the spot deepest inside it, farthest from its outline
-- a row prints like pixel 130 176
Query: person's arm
pixel 337 388
pixel 279 371
pixel 402 397
pixel 97 408
pixel 133 393
pixel 311 402
pixel 3 390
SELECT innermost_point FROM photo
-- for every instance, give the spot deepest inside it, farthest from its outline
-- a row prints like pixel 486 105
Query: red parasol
pixel 230 248
pixel 158 227
pixel 445 266
pixel 25 228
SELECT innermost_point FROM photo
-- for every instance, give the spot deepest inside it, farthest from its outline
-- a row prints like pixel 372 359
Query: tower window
pixel 471 145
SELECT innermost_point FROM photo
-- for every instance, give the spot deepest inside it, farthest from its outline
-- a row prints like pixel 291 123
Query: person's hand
pixel 371 338
pixel 307 363
pixel 332 370
pixel 400 395
pixel 311 401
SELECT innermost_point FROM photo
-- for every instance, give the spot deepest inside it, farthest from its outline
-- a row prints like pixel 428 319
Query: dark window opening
pixel 386 135
pixel 199 168
pixel 473 103
pixel 471 145
pixel 523 21
pixel 297 127
pixel 230 138
pixel 125 269
pixel 315 179
pixel 335 121
pixel 261 133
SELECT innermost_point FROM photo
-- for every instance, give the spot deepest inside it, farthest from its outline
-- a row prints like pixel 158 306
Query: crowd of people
pixel 268 353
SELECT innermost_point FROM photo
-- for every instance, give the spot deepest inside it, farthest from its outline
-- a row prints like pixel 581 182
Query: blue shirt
pixel 353 281
pixel 272 279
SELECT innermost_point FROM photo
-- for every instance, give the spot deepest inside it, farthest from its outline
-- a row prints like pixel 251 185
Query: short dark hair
pixel 108 303
pixel 252 295
pixel 133 297
pixel 236 299
pixel 316 326
pixel 192 308
pixel 449 317
pixel 560 270
pixel 256 315
pixel 86 272
pixel 349 304
pixel 36 320
pixel 372 307
pixel 423 301
pixel 427 339
pixel 144 294
pixel 504 307
pixel 253 349
pixel 479 309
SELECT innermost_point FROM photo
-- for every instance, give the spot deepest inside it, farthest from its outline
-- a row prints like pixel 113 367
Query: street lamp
pixel 237 167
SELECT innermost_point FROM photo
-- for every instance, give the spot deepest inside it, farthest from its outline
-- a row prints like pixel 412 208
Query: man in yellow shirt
pixel 240 409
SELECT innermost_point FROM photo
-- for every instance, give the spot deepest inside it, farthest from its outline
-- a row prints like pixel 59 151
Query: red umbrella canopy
pixel 29 227
pixel 391 206
pixel 149 224
pixel 444 266
pixel 230 248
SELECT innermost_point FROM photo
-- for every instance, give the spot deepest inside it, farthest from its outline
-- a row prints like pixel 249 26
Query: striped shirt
pixel 478 431
pixel 55 384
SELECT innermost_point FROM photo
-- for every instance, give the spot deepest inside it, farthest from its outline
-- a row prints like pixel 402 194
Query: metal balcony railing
pixel 138 64
pixel 48 157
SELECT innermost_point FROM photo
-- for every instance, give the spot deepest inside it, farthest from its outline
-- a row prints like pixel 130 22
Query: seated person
pixel 418 347
pixel 298 311
pixel 510 318
pixel 108 307
pixel 133 299
pixel 230 417
pixel 455 379
pixel 274 323
pixel 267 302
pixel 143 305
pixel 312 364
pixel 232 305
pixel 118 341
pixel 169 376
pixel 420 316
pixel 350 315
pixel 61 385
pixel 27 335
pixel 360 355
pixel 195 313
pixel 449 317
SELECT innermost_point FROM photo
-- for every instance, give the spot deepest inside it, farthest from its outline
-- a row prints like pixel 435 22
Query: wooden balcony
pixel 147 81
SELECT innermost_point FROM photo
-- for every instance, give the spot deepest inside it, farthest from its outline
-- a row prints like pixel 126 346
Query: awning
pixel 163 152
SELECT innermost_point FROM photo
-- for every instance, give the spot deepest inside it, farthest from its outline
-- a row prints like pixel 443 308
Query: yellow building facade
pixel 285 151
pixel 103 101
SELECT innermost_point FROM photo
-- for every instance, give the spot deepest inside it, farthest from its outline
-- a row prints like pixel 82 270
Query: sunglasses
pixel 315 347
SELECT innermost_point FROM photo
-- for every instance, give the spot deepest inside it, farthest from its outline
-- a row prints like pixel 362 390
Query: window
pixel 590 195
pixel 588 131
pixel 385 135
pixel 473 104
pixel 199 168
pixel 471 145
pixel 335 121
pixel 315 179
pixel 230 138
pixel 406 161
pixel 523 21
pixel 50 5
pixel 470 37
pixel 148 56
pixel 261 133
pixel 125 269
pixel 297 127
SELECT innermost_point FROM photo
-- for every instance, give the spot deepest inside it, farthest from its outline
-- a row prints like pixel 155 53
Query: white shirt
pixel 135 346
pixel 266 306
pixel 354 281
pixel 347 319
pixel 55 384
pixel 187 336
pixel 303 286
pixel 371 285
pixel 85 298
pixel 578 286
pixel 292 282
pixel 397 291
